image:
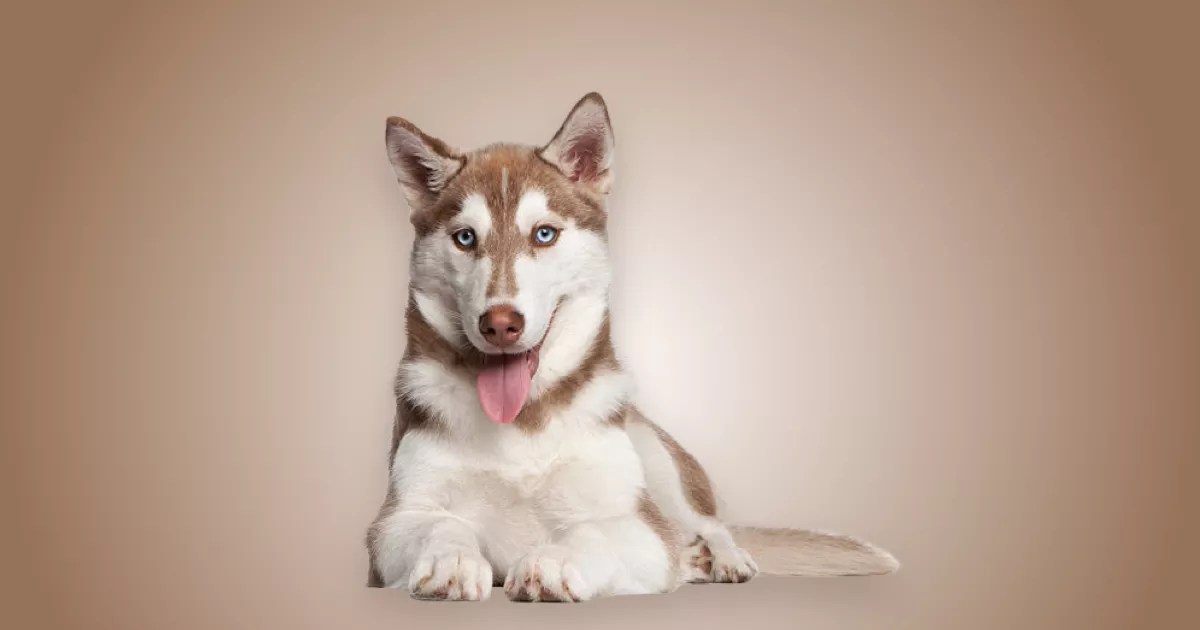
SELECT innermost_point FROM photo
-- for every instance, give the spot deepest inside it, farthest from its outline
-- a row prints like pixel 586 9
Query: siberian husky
pixel 518 458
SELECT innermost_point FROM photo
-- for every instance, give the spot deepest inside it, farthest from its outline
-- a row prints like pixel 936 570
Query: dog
pixel 518 457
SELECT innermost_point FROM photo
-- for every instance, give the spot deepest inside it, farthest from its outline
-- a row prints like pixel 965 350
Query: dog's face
pixel 506 234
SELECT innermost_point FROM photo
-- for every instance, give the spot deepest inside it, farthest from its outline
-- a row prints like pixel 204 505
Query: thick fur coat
pixel 518 457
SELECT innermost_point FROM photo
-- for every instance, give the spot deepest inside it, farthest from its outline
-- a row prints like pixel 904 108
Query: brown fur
pixel 652 516
pixel 600 358
pixel 483 175
pixel 425 342
pixel 502 173
pixel 696 485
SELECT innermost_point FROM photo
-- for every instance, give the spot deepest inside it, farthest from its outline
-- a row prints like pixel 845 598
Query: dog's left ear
pixel 583 148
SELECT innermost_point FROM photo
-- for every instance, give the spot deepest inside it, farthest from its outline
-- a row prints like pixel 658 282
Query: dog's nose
pixel 502 326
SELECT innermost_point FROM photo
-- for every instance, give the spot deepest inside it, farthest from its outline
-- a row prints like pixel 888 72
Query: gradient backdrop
pixel 921 272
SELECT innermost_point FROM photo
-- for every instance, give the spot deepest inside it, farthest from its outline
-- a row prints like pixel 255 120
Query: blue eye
pixel 465 238
pixel 545 235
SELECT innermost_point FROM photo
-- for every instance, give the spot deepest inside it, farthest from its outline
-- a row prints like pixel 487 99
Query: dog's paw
pixel 452 576
pixel 704 564
pixel 733 565
pixel 546 575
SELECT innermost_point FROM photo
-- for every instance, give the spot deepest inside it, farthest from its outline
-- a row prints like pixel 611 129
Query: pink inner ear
pixel 584 155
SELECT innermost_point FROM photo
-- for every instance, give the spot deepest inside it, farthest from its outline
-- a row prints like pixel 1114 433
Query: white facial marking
pixel 568 341
pixel 438 316
pixel 571 272
pixel 532 208
pixel 476 215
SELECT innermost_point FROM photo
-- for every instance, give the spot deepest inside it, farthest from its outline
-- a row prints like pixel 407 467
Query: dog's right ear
pixel 423 164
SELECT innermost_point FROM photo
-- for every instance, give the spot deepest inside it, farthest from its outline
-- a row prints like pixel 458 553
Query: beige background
pixel 951 250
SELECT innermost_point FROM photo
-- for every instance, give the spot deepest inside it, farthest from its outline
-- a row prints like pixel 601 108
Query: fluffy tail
pixel 799 552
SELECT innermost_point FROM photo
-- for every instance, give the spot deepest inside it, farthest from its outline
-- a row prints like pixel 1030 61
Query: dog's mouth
pixel 504 383
pixel 505 380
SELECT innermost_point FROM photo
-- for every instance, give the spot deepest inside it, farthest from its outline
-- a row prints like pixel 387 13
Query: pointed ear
pixel 423 164
pixel 583 148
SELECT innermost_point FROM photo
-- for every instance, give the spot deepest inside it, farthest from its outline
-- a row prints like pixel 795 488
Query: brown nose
pixel 502 326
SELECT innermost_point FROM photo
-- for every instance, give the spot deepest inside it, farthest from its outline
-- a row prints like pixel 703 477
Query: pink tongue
pixel 504 386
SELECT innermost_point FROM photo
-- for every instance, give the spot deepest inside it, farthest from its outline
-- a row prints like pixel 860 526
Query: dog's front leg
pixel 434 555
pixel 619 556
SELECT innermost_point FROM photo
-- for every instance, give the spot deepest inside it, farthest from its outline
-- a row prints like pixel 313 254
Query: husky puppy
pixel 518 458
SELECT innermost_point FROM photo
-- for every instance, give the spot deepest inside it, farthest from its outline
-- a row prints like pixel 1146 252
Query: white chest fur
pixel 514 486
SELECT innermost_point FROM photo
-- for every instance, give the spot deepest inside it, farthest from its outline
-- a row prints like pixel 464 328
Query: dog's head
pixel 505 236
